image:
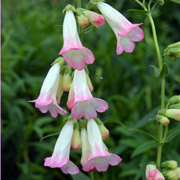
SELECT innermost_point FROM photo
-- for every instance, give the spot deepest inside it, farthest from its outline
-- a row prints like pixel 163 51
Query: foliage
pixel 30 43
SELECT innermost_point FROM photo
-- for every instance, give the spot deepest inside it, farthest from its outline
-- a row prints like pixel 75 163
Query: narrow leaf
pixel 54 134
pixel 164 71
pixel 170 137
pixel 156 70
pixel 88 29
pixel 143 147
pixel 80 176
pixel 176 1
pixel 145 134
pixel 142 12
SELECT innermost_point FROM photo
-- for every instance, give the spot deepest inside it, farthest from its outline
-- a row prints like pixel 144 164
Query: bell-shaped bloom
pixel 60 156
pixel 80 101
pixel 99 158
pixel 47 100
pixel 94 18
pixel 152 173
pixel 126 32
pixel 73 52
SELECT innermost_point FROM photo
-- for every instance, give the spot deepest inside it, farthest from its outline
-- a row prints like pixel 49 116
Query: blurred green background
pixel 31 41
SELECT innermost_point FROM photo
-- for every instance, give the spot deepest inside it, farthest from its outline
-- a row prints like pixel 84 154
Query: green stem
pixel 155 40
pixel 162 92
pixel 165 134
pixel 91 175
pixel 79 3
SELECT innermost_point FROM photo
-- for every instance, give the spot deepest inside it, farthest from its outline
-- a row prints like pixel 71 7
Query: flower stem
pixel 91 175
pixel 160 145
pixel 79 3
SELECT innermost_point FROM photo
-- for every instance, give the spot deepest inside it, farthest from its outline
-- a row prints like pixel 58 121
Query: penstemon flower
pixel 47 100
pixel 60 156
pixel 99 157
pixel 73 52
pixel 152 173
pixel 126 32
pixel 80 101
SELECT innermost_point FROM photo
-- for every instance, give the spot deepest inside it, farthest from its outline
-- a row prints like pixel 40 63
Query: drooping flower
pixel 99 158
pixel 80 101
pixel 47 100
pixel 126 32
pixel 60 156
pixel 73 52
pixel 152 173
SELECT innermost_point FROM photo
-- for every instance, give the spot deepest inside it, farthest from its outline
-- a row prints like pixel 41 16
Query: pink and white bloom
pixel 80 100
pixel 47 98
pixel 73 52
pixel 60 156
pixel 99 158
pixel 94 18
pixel 126 32
pixel 152 173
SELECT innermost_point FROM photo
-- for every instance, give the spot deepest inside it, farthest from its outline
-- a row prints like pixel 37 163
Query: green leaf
pixel 164 71
pixel 170 137
pixel 142 12
pixel 156 70
pixel 80 176
pixel 176 1
pixel 143 147
pixel 145 134
pixel 88 29
pixel 54 134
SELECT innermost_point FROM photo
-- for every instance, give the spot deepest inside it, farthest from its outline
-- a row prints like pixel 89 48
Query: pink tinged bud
pixel 169 164
pixel 177 170
pixel 76 139
pixel 152 173
pixel 86 149
pixel 47 98
pixel 89 82
pixel 99 158
pixel 73 52
pixel 60 156
pixel 80 101
pixel 82 21
pixel 173 113
pixel 104 131
pixel 94 18
pixel 162 119
pixel 171 175
pixel 126 32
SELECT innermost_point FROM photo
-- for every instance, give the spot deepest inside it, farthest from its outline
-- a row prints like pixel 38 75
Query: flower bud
pixel 169 164
pixel 82 21
pixel 59 90
pixel 76 139
pixel 104 131
pixel 162 119
pixel 170 175
pixel 173 113
pixel 175 106
pixel 177 170
pixel 161 2
pixel 175 99
pixel 94 18
pixel 68 7
pixel 66 78
pixel 174 45
pixel 89 82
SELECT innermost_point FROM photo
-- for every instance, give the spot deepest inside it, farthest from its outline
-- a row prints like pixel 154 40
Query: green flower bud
pixel 177 170
pixel 68 8
pixel 173 113
pixel 174 45
pixel 169 164
pixel 175 106
pixel 76 139
pixel 175 99
pixel 104 131
pixel 170 175
pixel 162 119
pixel 59 90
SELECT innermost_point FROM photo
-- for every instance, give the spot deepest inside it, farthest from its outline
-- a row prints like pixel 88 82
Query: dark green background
pixel 31 42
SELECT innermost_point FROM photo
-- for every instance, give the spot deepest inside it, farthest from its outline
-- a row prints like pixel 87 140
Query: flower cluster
pixel 83 129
